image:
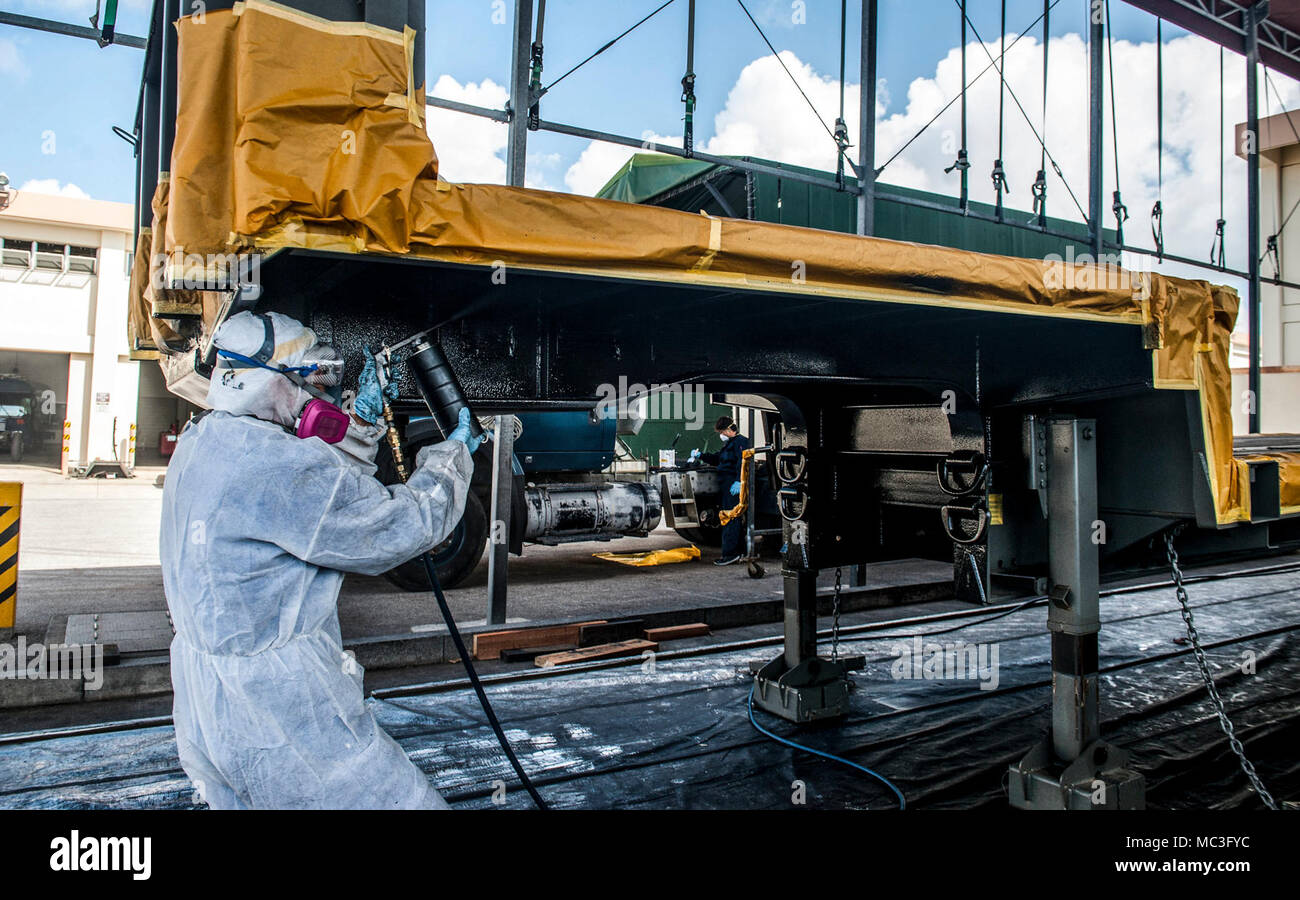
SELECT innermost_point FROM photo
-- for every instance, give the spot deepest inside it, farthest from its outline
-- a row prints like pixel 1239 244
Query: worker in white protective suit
pixel 259 525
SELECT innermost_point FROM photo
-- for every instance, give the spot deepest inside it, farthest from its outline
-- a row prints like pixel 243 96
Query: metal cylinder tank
pixel 559 511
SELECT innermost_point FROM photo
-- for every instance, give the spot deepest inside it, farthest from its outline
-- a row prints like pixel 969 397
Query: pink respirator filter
pixel 323 420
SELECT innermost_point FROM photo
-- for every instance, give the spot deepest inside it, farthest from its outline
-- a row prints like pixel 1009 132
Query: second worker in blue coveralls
pixel 728 459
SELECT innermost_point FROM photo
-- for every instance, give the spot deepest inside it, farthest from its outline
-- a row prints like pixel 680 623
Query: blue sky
pixel 73 92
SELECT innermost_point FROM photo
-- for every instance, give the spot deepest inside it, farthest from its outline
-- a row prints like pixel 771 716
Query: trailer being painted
pixel 1042 423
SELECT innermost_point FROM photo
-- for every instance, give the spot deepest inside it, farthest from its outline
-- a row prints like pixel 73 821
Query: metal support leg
pixel 1073 768
pixel 503 479
pixel 799 685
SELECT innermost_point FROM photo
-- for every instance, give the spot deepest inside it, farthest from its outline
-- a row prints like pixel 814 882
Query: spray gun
pixel 445 398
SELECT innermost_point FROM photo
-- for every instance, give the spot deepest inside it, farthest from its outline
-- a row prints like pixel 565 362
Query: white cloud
pixel 764 116
pixel 11 61
pixel 599 161
pixel 470 148
pixel 53 186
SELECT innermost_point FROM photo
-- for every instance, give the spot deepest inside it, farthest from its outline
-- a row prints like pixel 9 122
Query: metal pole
pixel 867 121
pixel 520 69
pixel 1073 615
pixel 81 31
pixel 1253 16
pixel 1096 87
pixel 169 87
pixel 503 479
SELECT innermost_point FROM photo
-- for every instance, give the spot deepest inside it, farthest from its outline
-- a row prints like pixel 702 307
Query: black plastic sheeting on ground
pixel 679 736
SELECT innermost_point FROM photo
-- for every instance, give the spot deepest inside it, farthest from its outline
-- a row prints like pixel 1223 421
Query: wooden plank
pixel 489 644
pixel 600 651
pixel 677 632
pixel 611 632
pixel 528 654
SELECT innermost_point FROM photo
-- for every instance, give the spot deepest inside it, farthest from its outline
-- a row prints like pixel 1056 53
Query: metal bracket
pixel 815 689
pixel 1099 779
pixel 1034 438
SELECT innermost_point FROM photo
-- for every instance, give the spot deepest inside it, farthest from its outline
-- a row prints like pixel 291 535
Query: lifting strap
pixel 1040 182
pixel 963 160
pixel 535 72
pixel 1117 204
pixel 1217 257
pixel 1158 211
pixel 841 127
pixel 727 516
pixel 999 174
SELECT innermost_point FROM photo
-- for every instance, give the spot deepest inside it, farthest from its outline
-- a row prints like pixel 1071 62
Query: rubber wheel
pixel 702 536
pixel 16 448
pixel 454 559
pixel 457 556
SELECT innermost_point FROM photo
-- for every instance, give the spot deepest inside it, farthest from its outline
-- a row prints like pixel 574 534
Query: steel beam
pixel 63 28
pixel 867 120
pixel 520 69
pixel 1253 16
pixel 1096 90
pixel 170 85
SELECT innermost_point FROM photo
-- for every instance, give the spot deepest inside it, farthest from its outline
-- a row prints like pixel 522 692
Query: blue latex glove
pixel 695 454
pixel 461 431
pixel 369 404
pixel 735 489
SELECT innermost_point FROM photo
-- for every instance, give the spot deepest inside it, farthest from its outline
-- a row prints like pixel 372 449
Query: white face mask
pixel 723 437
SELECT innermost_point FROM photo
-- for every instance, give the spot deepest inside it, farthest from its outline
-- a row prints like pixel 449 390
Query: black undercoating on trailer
pixel 680 738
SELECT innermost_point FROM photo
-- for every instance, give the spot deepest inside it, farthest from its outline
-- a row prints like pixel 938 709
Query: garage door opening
pixel 33 405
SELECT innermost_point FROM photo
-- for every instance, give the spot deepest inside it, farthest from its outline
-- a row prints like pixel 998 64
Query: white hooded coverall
pixel 258 528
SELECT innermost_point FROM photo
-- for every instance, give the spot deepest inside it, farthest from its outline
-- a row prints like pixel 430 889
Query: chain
pixel 1224 722
pixel 835 616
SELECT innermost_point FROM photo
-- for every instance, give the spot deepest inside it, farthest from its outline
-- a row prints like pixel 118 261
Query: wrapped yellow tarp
pixel 293 131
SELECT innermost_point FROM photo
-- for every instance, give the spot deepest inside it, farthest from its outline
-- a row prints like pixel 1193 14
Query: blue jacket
pixel 728 459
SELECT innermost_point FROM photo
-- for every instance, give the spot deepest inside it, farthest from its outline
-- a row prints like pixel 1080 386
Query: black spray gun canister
pixel 439 387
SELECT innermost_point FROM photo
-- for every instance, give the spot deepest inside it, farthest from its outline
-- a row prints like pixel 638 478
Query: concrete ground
pixel 91 546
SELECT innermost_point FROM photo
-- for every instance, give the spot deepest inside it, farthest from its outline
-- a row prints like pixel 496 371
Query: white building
pixel 64 271
pixel 1279 194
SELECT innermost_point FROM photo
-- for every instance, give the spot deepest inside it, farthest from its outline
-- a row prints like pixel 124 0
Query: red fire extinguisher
pixel 167 441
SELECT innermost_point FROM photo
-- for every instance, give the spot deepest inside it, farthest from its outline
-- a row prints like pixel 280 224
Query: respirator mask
pixel 320 375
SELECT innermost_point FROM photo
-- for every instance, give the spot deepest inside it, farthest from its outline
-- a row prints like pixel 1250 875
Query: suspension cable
pixel 1272 247
pixel 793 80
pixel 1040 181
pixel 688 83
pixel 1117 205
pixel 841 127
pixel 999 174
pixel 1158 211
pixel 899 152
pixel 963 159
pixel 1217 257
pixel 535 71
pixel 607 45
pixel 1028 121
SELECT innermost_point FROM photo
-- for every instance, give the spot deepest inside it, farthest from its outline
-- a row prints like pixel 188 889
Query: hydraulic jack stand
pixel 1072 768
pixel 799 685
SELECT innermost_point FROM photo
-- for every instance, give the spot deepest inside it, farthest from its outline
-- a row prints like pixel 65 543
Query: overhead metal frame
pixel 1254 29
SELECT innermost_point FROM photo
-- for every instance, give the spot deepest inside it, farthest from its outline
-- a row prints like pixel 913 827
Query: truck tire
pixel 454 559
pixel 16 447
pixel 457 556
